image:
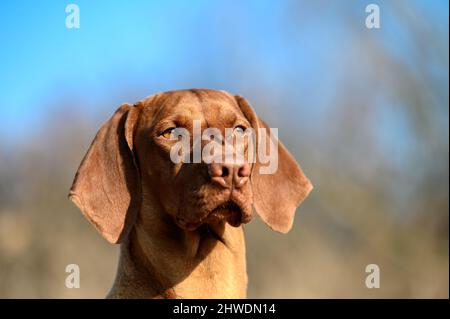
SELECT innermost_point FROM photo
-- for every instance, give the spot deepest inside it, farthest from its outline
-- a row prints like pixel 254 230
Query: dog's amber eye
pixel 239 130
pixel 168 133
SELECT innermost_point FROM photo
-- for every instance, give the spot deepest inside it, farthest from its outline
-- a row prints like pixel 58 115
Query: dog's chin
pixel 187 225
pixel 228 211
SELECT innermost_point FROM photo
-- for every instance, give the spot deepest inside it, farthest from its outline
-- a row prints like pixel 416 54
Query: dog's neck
pixel 160 260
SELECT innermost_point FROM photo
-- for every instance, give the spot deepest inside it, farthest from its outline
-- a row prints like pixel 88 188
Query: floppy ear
pixel 276 195
pixel 106 187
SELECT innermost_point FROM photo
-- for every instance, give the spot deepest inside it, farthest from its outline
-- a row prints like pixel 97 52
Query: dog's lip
pixel 228 205
pixel 232 212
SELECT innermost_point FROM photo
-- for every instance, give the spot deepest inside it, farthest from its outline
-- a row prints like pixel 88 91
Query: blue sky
pixel 126 50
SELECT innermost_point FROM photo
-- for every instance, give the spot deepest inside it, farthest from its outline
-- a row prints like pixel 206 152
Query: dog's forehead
pixel 197 104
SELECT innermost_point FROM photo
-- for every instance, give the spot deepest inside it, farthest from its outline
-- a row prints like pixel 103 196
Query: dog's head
pixel 202 156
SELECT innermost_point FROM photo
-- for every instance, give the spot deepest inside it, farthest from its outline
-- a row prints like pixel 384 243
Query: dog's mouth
pixel 228 211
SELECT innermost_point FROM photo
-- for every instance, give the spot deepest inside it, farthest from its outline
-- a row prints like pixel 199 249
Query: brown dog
pixel 179 225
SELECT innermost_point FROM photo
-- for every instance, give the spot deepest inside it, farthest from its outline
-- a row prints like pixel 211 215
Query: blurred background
pixel 364 111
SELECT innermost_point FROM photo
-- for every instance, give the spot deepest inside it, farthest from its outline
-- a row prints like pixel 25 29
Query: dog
pixel 179 225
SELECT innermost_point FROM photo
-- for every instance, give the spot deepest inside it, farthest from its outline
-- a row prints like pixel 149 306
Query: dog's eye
pixel 239 130
pixel 168 133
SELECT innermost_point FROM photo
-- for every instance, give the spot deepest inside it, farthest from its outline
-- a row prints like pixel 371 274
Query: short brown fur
pixel 134 195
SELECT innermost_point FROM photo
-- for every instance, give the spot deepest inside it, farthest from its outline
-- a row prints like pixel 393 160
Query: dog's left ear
pixel 275 195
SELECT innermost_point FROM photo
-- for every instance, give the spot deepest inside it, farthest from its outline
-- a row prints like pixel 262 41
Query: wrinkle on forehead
pixel 220 116
pixel 178 104
pixel 212 107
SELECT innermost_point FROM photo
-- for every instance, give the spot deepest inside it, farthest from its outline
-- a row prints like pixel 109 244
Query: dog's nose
pixel 226 174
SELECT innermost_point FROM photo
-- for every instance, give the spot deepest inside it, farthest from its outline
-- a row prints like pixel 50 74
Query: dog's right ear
pixel 276 195
pixel 106 187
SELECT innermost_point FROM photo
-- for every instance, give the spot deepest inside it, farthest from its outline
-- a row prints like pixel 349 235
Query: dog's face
pixel 189 192
pixel 131 159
